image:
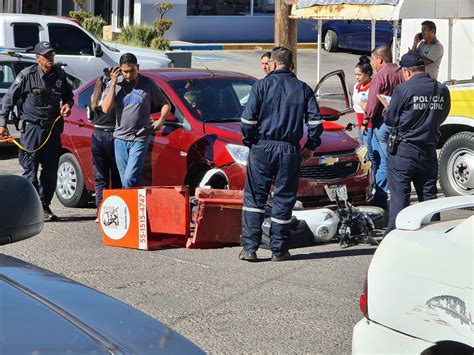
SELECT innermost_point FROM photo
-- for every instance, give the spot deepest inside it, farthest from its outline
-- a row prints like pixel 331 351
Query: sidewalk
pixel 189 46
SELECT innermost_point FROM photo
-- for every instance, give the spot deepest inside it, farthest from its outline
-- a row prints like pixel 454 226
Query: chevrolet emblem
pixel 328 160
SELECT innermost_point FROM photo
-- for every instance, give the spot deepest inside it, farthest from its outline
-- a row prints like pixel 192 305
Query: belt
pixel 420 144
pixel 104 128
pixel 42 123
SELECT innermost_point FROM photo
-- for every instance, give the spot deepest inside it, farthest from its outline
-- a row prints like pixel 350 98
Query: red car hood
pixel 334 138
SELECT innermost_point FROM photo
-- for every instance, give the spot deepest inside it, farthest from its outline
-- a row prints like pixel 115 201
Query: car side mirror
pixel 329 114
pixel 21 212
pixel 98 51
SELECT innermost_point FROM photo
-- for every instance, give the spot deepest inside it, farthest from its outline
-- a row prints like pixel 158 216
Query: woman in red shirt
pixel 363 73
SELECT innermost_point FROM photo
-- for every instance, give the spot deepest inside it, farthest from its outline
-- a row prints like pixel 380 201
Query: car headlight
pixel 239 153
pixel 362 153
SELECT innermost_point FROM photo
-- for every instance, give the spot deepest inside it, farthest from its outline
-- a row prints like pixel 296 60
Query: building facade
pixel 193 20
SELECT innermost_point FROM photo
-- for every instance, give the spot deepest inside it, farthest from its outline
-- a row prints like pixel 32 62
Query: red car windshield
pixel 214 99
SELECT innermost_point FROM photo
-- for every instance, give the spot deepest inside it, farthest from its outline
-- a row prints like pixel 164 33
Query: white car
pixel 419 293
pixel 84 54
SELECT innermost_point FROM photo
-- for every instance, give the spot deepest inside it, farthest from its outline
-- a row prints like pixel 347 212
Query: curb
pixel 235 46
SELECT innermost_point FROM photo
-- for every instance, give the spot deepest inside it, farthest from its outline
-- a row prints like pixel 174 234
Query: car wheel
pixel 456 165
pixel 70 188
pixel 330 41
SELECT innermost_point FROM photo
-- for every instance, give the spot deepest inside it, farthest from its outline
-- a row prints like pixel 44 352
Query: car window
pixel 25 35
pixel 74 82
pixel 7 75
pixel 214 99
pixel 85 97
pixel 61 37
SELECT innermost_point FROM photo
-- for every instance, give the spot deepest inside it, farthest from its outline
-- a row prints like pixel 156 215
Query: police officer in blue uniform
pixel 272 126
pixel 45 95
pixel 417 109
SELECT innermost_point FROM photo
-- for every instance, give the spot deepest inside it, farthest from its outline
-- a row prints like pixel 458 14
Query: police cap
pixel 43 48
pixel 411 59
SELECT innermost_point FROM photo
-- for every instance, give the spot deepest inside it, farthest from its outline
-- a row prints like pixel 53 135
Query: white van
pixel 85 55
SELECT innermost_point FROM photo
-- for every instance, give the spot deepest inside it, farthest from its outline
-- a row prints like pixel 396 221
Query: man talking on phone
pixel 134 98
pixel 429 48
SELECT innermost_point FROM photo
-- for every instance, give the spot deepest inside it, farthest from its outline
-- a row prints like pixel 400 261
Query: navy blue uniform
pixel 272 126
pixel 415 159
pixel 41 96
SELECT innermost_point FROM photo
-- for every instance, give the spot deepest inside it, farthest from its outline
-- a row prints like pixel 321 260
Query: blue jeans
pixel 366 139
pixel 130 156
pixel 379 147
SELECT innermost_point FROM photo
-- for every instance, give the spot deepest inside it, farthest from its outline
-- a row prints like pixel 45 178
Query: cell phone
pixel 420 36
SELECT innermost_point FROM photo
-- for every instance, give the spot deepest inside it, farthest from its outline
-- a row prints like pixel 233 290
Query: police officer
pixel 45 94
pixel 272 126
pixel 417 109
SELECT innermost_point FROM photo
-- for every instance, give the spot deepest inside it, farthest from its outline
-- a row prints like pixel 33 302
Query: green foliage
pixel 139 35
pixel 147 35
pixel 160 43
pixel 80 15
pixel 94 25
pixel 162 25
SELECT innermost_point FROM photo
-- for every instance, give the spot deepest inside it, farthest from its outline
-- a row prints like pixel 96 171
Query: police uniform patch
pixel 59 83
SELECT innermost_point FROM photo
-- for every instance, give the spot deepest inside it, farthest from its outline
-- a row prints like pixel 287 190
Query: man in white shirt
pixel 429 47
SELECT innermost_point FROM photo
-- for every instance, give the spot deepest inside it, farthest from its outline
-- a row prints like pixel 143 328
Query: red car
pixel 201 142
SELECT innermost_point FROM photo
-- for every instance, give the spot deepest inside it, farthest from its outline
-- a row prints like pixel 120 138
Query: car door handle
pixel 80 123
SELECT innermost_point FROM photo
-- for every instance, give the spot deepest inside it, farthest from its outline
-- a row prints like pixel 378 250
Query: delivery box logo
pixel 115 217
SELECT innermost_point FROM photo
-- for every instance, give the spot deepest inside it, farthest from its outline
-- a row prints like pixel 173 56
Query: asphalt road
pixel 306 305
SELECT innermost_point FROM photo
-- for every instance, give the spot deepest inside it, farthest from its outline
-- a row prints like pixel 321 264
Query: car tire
pixel 330 41
pixel 456 165
pixel 70 188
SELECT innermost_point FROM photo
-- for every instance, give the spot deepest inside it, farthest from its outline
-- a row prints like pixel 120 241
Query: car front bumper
pixel 369 337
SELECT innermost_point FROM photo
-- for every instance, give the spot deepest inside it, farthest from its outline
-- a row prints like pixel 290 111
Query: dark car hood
pixel 44 313
pixel 334 138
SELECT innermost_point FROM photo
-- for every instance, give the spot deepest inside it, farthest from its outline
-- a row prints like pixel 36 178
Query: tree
pixel 162 25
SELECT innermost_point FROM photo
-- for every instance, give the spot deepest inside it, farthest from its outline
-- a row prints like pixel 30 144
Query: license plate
pixel 336 190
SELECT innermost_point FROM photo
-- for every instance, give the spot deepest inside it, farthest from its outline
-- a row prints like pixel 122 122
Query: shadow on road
pixel 333 254
pixel 76 218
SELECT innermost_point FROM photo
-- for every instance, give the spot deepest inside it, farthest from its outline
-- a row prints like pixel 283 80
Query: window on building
pixel 230 8
pixel 60 37
pixel 41 7
pixel 218 8
pixel 25 36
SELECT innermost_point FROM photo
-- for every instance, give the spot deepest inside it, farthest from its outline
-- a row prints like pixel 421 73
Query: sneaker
pixel 247 255
pixel 282 257
pixel 49 216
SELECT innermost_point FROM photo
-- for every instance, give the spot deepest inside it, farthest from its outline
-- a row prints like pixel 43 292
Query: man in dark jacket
pixel 417 109
pixel 45 95
pixel 272 126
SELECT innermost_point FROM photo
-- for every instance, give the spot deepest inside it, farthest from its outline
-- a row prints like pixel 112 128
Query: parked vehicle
pixel 203 133
pixel 418 296
pixel 11 63
pixel 355 35
pixel 86 56
pixel 46 313
pixel 456 159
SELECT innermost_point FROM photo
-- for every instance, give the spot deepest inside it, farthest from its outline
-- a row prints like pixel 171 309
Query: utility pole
pixel 285 28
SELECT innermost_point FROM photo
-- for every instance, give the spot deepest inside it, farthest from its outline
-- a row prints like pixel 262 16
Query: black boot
pixel 49 216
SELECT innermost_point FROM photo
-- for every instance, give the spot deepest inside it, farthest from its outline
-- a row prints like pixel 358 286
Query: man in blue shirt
pixel 45 95
pixel 417 109
pixel 272 126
